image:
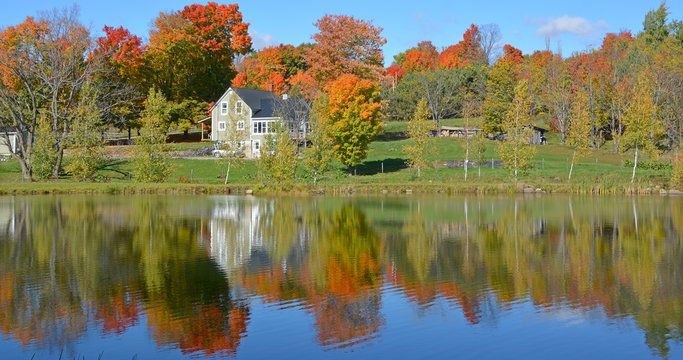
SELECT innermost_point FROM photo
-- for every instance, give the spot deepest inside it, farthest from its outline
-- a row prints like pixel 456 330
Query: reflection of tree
pixel 78 258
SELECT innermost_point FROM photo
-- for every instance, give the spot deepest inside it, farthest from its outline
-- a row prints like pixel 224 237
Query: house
pixel 256 111
pixel 8 142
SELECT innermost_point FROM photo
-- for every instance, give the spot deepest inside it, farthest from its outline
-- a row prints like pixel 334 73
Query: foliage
pixel 515 150
pixel 44 155
pixel 191 51
pixel 419 131
pixel 579 134
pixel 235 137
pixel 272 69
pixel 320 153
pixel 499 95
pixel 677 175
pixel 151 164
pixel 86 140
pixel 279 155
pixel 642 127
pixel 345 45
pixel 354 110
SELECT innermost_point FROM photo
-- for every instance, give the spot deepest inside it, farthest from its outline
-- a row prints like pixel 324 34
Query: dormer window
pixel 238 107
pixel 224 108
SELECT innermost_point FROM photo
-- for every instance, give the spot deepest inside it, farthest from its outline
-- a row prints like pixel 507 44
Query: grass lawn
pixel 385 168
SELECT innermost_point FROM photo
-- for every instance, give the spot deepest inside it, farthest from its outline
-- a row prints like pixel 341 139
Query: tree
pixel 470 109
pixel 640 123
pixel 467 51
pixel 191 51
pixel 489 42
pixel 354 110
pixel 151 164
pixel 43 66
pixel 279 155
pixel 345 45
pixel 579 134
pixel 43 156
pixel 318 156
pixel 86 136
pixel 423 57
pixel 440 88
pixel 479 149
pixel 515 150
pixel 419 132
pixel 235 136
pixel 557 92
pixel 677 175
pixel 499 95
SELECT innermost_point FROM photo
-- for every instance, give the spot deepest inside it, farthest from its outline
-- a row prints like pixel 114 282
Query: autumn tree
pixel 420 58
pixel 467 51
pixel 489 42
pixel 151 164
pixel 43 66
pixel 354 110
pixel 272 68
pixel 191 51
pixel 320 153
pixel 43 157
pixel 677 174
pixel 557 92
pixel 579 133
pixel 515 150
pixel 500 90
pixel 345 45
pixel 586 69
pixel 419 132
pixel 639 124
pixel 478 147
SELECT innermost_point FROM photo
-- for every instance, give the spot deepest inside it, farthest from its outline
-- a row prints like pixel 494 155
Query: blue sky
pixel 524 24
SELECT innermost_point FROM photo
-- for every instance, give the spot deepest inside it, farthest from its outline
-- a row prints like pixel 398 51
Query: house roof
pixel 261 103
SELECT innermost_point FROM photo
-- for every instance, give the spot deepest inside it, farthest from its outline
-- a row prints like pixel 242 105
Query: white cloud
pixel 261 41
pixel 553 28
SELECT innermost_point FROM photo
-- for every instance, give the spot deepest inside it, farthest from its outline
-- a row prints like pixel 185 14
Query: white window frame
pixel 238 107
pixel 224 108
pixel 240 125
pixel 257 146
pixel 221 126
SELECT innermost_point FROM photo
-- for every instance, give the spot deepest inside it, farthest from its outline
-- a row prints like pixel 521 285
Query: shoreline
pixel 37 188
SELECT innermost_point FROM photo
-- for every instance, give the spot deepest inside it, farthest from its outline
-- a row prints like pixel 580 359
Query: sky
pixel 571 26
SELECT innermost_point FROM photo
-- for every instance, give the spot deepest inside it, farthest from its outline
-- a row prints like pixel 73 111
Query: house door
pixel 256 148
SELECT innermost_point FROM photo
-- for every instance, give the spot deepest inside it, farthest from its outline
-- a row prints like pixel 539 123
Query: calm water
pixel 408 277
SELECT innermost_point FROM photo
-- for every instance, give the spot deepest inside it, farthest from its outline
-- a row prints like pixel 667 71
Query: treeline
pixel 59 81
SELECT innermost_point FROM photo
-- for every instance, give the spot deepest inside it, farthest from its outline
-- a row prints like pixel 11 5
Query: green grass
pixel 550 172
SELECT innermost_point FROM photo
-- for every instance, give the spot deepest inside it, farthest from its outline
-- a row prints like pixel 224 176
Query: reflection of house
pixel 7 217
pixel 256 112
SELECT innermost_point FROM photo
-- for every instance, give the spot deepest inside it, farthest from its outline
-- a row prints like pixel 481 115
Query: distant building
pixel 537 138
pixel 8 142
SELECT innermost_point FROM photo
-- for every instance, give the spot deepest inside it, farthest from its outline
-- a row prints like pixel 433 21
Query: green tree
pixel 500 90
pixel 279 157
pixel 44 155
pixel 579 134
pixel 515 150
pixel 677 175
pixel 318 156
pixel 86 136
pixel 151 164
pixel 419 128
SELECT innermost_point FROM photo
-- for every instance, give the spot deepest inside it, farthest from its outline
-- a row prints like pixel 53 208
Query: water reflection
pixel 192 269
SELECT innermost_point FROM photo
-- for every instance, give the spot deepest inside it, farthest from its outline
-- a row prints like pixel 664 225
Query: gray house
pixel 256 111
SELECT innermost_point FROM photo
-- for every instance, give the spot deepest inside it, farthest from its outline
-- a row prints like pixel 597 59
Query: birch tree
pixel 319 155
pixel 640 122
pixel 419 128
pixel 579 134
pixel 515 150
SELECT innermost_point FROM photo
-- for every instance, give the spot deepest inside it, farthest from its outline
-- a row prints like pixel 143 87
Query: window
pixel 221 125
pixel 257 146
pixel 224 108
pixel 238 107
pixel 240 125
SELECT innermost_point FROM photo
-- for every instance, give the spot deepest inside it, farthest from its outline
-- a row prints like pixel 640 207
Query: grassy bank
pixel 383 171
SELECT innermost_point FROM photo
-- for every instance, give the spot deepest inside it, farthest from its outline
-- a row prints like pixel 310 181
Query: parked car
pixel 218 152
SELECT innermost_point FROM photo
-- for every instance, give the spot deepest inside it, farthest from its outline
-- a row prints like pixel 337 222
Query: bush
pixel 649 165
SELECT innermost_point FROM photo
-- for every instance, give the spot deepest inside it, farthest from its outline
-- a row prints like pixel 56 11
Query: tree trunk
pixel 227 173
pixel 186 133
pixel 635 163
pixel 58 164
pixel 315 177
pixel 571 168
pixel 129 135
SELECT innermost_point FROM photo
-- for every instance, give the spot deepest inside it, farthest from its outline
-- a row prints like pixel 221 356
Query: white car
pixel 218 152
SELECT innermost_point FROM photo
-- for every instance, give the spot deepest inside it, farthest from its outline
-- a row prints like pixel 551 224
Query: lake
pixel 175 277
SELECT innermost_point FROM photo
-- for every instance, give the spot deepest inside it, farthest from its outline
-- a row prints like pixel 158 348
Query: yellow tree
pixel 151 164
pixel 419 128
pixel 515 150
pixel 319 155
pixel 640 123
pixel 235 136
pixel 579 134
